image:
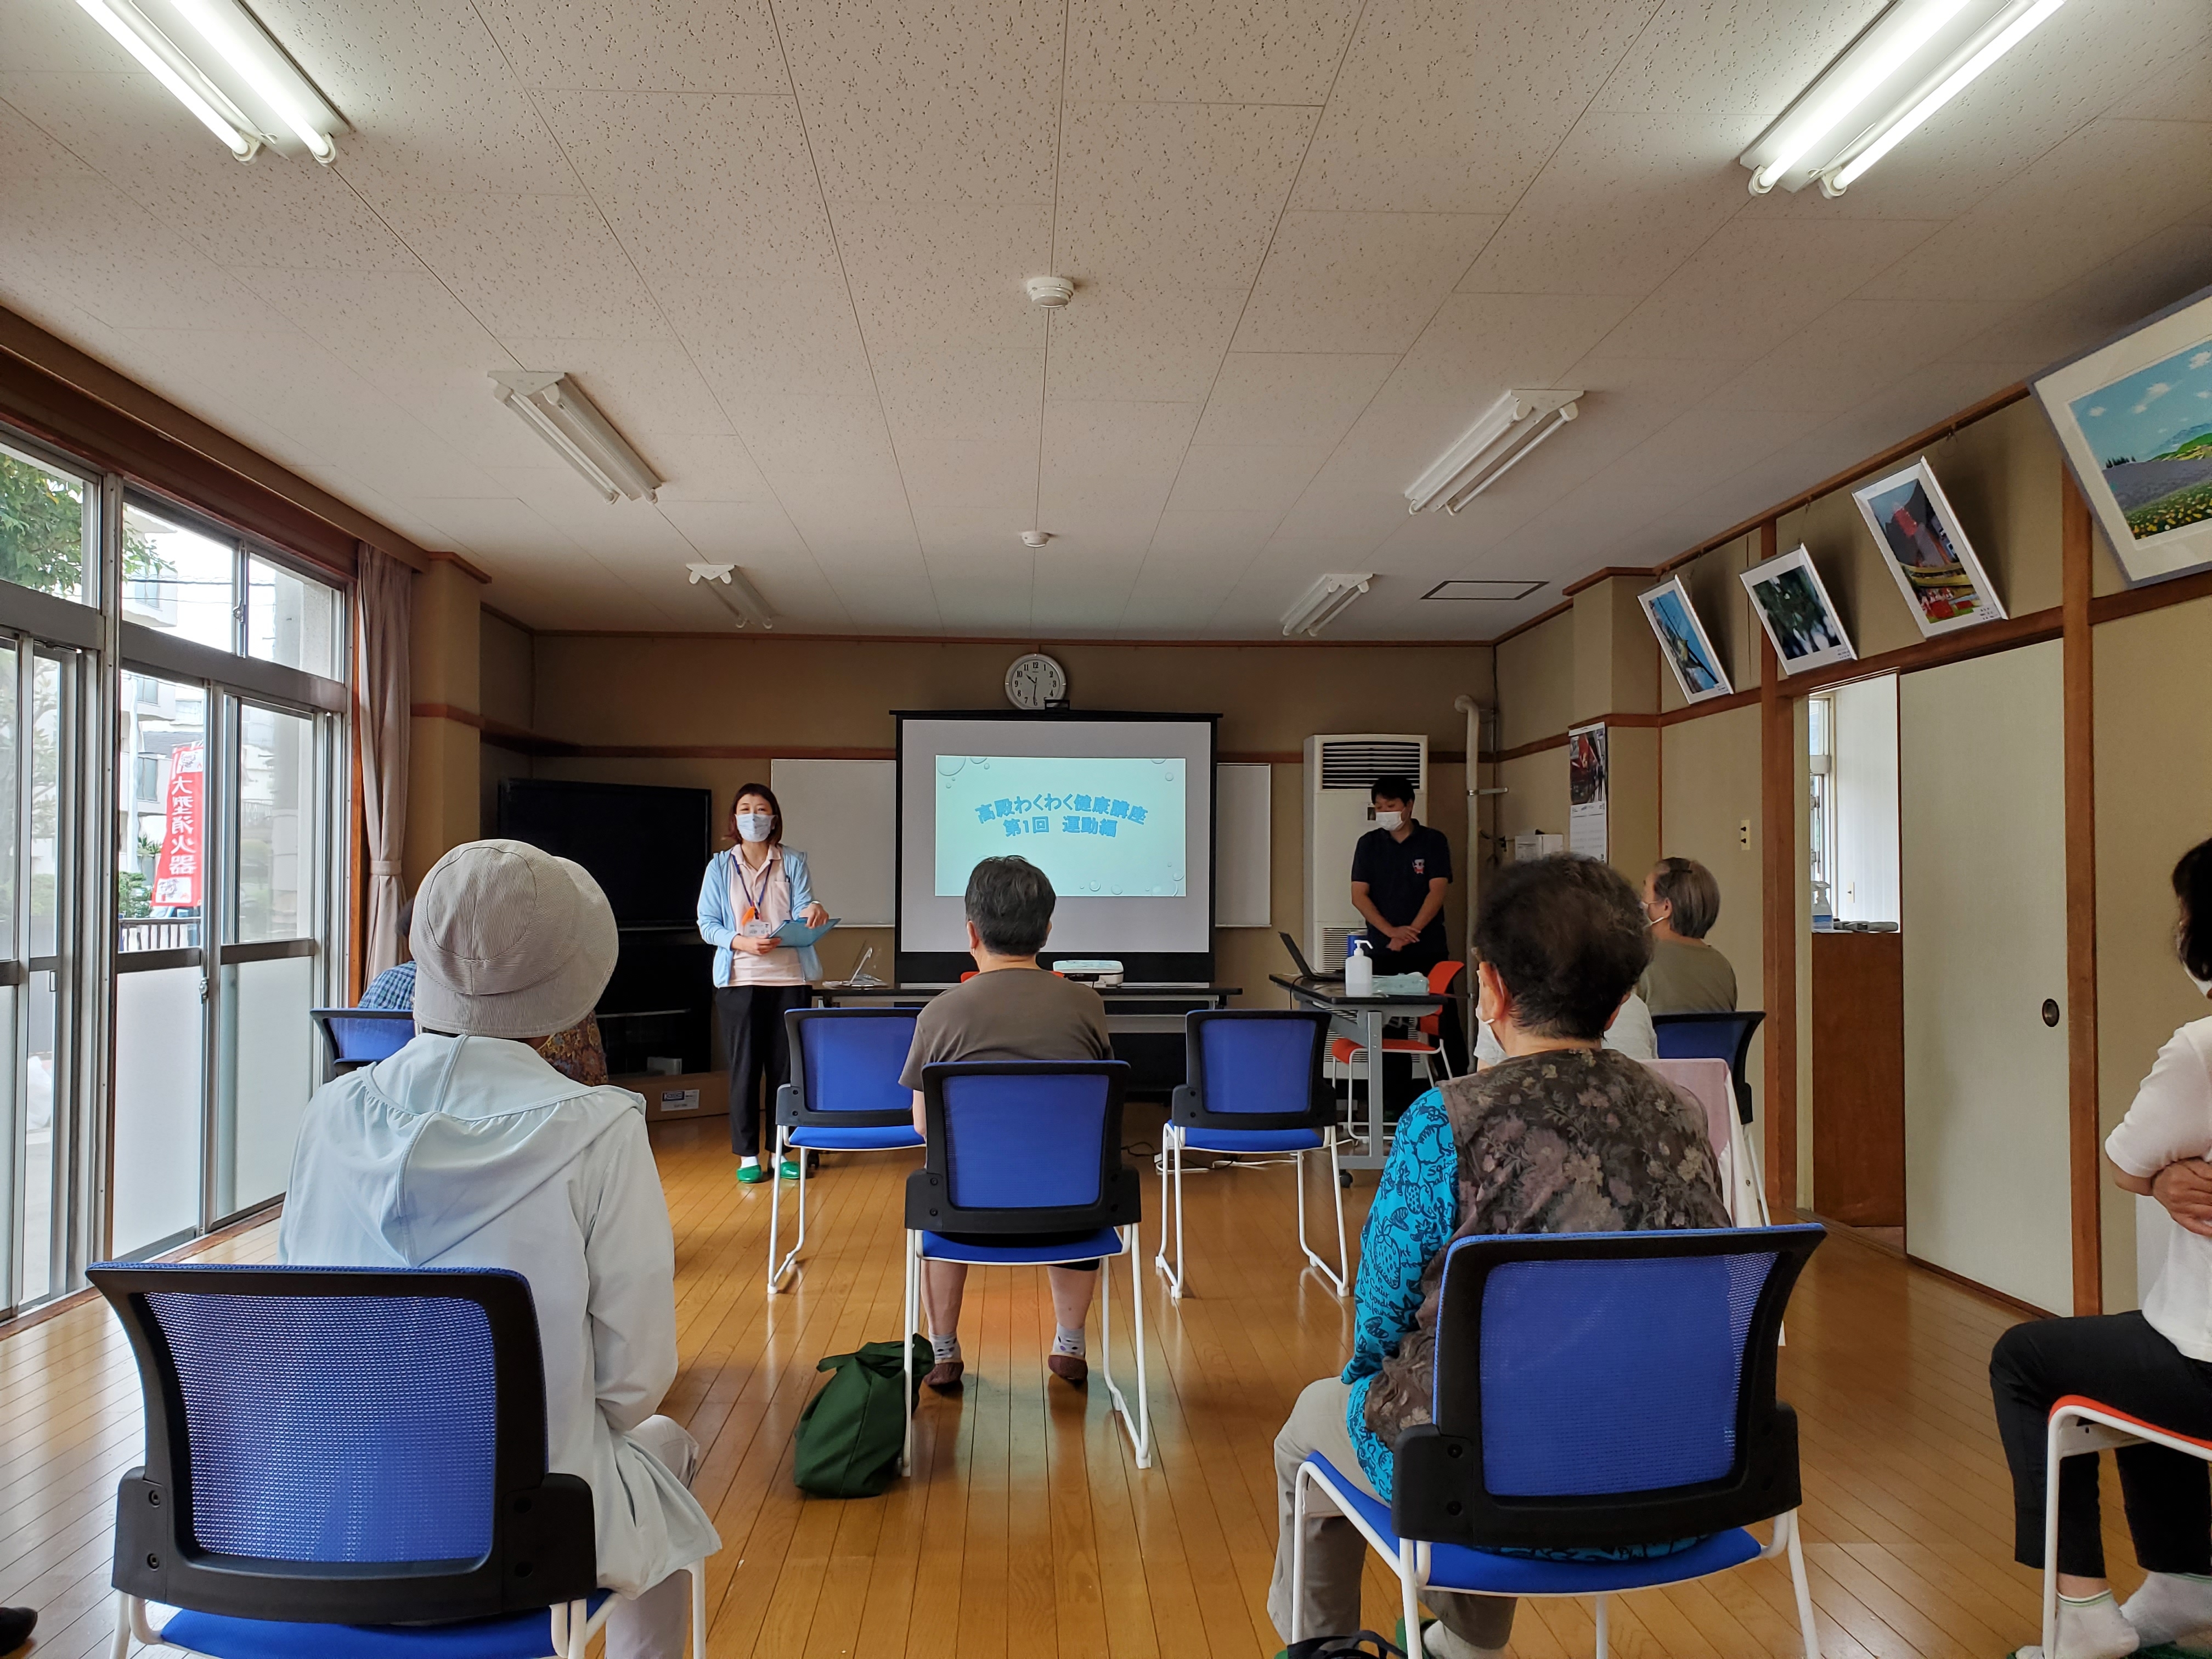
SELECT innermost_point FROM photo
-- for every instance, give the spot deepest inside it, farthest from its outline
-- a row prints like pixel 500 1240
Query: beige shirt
pixel 1012 1013
pixel 1687 977
pixel 768 890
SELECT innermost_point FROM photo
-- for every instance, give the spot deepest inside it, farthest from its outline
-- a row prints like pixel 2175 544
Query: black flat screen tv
pixel 646 846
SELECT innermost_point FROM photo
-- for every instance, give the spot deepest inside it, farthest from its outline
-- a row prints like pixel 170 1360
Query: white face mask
pixel 755 826
pixel 1388 820
pixel 2204 985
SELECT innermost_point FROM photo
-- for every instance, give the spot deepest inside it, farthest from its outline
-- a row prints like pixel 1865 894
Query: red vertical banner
pixel 177 871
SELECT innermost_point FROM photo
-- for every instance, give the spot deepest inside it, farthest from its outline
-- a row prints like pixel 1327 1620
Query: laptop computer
pixel 1305 968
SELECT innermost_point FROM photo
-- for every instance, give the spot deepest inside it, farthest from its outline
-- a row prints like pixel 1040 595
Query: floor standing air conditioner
pixel 1341 772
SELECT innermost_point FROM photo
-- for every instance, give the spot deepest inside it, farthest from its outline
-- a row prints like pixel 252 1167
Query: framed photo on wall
pixel 1796 612
pixel 1683 642
pixel 2134 418
pixel 1943 583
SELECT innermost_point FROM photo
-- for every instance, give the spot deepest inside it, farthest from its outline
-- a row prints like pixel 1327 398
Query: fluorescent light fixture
pixel 743 600
pixel 1322 601
pixel 1509 429
pixel 1910 62
pixel 1505 589
pixel 243 88
pixel 550 404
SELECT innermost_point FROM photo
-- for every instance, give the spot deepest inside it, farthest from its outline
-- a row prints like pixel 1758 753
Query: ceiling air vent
pixel 1356 763
pixel 1506 588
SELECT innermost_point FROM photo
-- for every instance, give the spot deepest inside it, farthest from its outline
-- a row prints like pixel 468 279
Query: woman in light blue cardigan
pixel 749 892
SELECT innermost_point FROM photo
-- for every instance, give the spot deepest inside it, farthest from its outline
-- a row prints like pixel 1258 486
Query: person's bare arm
pixel 2183 1188
pixel 921 1117
pixel 1396 937
pixel 1431 907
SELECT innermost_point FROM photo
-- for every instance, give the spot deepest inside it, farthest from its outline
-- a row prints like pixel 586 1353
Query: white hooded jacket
pixel 465 1152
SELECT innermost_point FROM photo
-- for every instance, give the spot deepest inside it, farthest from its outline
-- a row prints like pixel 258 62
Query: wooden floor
pixel 1028 1530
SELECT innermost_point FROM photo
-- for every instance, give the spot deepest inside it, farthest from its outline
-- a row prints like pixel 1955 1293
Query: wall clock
pixel 1036 682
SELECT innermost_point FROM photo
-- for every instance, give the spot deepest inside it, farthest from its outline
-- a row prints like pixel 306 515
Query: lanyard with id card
pixel 750 922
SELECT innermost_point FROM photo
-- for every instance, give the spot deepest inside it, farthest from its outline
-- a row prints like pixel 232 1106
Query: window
pixel 49 526
pixel 179 579
pixel 1821 753
pixel 293 619
pixel 276 824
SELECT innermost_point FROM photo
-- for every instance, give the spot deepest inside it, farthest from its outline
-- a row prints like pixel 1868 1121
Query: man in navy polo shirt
pixel 1401 872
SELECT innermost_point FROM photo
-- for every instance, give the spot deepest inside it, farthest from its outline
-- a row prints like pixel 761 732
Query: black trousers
pixel 2119 1361
pixel 760 1054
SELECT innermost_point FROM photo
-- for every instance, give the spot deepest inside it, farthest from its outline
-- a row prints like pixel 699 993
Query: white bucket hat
pixel 509 942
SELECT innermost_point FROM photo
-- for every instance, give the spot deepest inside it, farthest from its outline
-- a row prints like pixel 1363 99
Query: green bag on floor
pixel 850 1434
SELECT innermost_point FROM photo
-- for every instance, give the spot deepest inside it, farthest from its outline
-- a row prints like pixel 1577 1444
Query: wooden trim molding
pixel 460 564
pixel 1642 573
pixel 1777 817
pixel 1536 621
pixel 80 405
pixel 443 711
pixel 2032 628
pixel 2086 1176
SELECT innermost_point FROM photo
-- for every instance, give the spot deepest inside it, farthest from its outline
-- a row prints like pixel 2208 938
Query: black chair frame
pixel 1753 1018
pixel 791 1111
pixel 1187 1109
pixel 541 1551
pixel 1438 1493
pixel 929 1205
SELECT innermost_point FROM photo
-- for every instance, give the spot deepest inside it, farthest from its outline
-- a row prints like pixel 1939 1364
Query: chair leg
pixel 120 1647
pixel 2052 1458
pixel 1410 1599
pixel 1138 1427
pixel 906 1387
pixel 1603 1644
pixel 1336 1276
pixel 699 1610
pixel 1804 1586
pixel 1298 1554
pixel 1171 1203
pixel 779 1271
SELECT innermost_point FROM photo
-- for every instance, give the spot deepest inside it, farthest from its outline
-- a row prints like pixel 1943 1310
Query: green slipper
pixel 787 1170
pixel 751 1174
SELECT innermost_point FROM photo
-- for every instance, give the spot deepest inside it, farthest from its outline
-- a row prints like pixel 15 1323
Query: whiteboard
pixel 843 815
pixel 1243 825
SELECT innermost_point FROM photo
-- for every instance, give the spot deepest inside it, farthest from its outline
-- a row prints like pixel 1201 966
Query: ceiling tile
pixel 953 101
pixel 1291 396
pixel 1359 282
pixel 1621 202
pixel 1119 456
pixel 946 274
pixel 1849 353
pixel 648 388
pixel 1154 345
pixel 653 45
pixel 985 474
pixel 532 265
pixel 741 530
pixel 1729 57
pixel 1240 52
pixel 1446 107
pixel 991 395
pixel 1173 195
pixel 1253 478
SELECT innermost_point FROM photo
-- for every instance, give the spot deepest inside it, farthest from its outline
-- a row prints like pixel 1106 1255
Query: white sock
pixel 2091 1628
pixel 1440 1644
pixel 1068 1342
pixel 2172 1606
pixel 748 1164
pixel 945 1347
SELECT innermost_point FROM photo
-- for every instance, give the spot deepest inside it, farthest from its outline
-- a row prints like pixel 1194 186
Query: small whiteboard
pixel 843 815
pixel 1243 828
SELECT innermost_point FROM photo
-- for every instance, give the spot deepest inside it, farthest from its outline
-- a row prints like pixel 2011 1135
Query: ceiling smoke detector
pixel 1036 537
pixel 1050 292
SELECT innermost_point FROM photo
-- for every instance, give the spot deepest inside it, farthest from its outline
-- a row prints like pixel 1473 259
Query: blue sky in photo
pixel 2141 416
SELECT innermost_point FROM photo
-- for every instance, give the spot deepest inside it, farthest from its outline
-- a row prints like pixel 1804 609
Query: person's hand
pixel 2185 1190
pixel 1403 938
pixel 753 947
pixel 815 916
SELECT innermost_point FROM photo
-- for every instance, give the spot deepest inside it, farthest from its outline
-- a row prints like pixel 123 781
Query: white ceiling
pixel 781 242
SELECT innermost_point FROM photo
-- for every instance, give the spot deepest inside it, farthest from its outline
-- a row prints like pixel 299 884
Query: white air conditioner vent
pixel 1356 763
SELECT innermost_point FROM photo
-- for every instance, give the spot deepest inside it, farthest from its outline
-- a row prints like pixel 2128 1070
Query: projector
pixel 1090 970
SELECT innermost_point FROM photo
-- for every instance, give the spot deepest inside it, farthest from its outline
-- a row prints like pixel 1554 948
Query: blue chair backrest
pixel 1024 1140
pixel 335 1428
pixel 363 1036
pixel 1610 1362
pixel 343 1445
pixel 1705 1036
pixel 849 1059
pixel 1262 1061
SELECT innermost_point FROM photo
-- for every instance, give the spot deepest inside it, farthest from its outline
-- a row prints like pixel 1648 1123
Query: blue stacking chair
pixel 1253 1084
pixel 350 1463
pixel 1593 1391
pixel 1027 1147
pixel 362 1036
pixel 844 1096
pixel 1712 1036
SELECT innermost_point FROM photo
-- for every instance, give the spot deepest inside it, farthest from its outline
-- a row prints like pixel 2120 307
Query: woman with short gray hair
pixel 1687 975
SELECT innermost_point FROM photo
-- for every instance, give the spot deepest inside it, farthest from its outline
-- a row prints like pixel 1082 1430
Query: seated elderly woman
pixel 2155 1364
pixel 1562 1135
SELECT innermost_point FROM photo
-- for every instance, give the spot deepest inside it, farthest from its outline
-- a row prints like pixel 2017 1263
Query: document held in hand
pixel 798 935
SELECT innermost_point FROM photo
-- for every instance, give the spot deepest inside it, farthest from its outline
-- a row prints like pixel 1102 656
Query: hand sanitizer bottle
pixel 1358 968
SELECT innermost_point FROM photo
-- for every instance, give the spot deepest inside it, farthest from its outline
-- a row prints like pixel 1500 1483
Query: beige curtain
pixel 381 594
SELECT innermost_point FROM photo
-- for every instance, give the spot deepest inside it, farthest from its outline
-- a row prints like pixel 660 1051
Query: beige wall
pixel 445 657
pixel 508 664
pixel 1724 608
pixel 1711 769
pixel 1536 685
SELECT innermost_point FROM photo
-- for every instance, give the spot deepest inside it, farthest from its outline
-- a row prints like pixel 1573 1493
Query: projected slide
pixel 1099 827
